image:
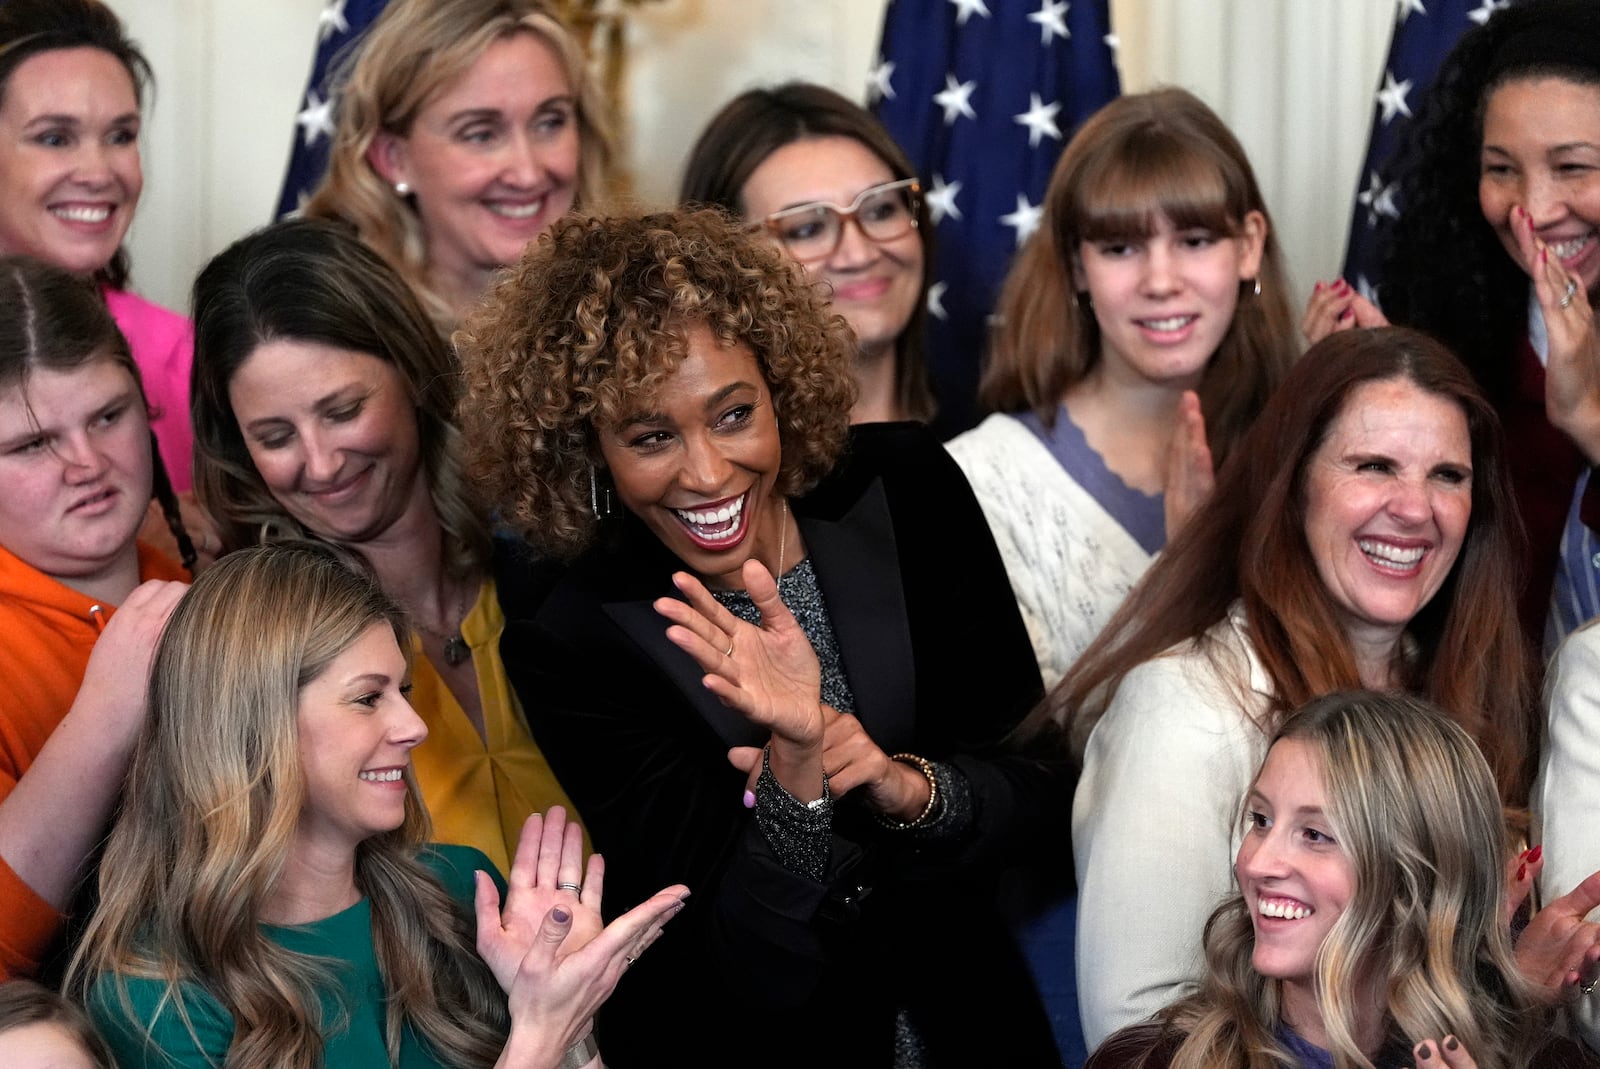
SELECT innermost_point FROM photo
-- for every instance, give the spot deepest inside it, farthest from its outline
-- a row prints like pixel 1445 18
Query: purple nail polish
pixel 749 799
pixel 561 916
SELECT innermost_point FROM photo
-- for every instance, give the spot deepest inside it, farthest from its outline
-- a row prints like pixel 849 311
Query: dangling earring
pixel 402 189
pixel 599 497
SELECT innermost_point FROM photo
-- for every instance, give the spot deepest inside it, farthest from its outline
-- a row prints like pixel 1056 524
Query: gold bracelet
pixel 924 766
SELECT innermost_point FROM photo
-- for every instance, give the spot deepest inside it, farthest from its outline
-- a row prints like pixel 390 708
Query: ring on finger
pixel 1566 298
pixel 567 885
pixel 1588 988
pixel 729 651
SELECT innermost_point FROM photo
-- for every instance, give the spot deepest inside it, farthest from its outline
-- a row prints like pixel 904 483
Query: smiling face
pixel 333 434
pixel 69 158
pixel 699 461
pixel 1388 498
pixel 1165 301
pixel 1541 152
pixel 492 161
pixel 356 733
pixel 1295 877
pixel 875 284
pixel 75 465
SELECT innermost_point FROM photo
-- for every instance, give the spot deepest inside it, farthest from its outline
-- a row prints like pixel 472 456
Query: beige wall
pixel 1293 77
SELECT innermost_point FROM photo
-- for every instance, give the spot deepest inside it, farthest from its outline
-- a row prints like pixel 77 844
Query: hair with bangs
pixel 1162 152
pixel 211 807
pixel 590 323
pixel 757 123
pixel 1414 809
pixel 413 52
pixel 1247 544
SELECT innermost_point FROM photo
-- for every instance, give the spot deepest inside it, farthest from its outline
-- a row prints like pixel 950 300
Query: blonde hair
pixel 413 52
pixel 212 803
pixel 1158 152
pixel 1414 807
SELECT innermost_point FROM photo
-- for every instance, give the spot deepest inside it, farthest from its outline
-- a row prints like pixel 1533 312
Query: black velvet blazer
pixel 765 967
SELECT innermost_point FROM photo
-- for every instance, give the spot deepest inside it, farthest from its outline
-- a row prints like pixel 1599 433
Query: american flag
pixel 982 101
pixel 340 23
pixel 1424 33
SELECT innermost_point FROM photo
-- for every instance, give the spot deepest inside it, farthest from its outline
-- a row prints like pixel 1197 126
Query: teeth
pixel 1567 249
pixel 1384 553
pixel 727 514
pixel 83 215
pixel 383 777
pixel 1283 909
pixel 1168 324
pixel 516 211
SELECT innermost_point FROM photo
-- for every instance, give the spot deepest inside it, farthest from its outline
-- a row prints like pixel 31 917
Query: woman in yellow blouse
pixel 323 402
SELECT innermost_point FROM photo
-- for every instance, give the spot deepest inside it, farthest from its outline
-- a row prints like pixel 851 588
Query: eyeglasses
pixel 812 231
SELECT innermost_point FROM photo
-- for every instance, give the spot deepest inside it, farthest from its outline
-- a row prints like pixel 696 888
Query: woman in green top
pixel 266 896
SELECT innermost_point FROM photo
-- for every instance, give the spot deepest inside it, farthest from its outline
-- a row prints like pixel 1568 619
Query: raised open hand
pixel 547 873
pixel 769 673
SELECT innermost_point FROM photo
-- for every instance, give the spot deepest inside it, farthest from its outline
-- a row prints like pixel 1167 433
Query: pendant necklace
pixel 455 646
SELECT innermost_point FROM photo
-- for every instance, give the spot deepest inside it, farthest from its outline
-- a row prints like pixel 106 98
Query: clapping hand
pixel 547 948
pixel 1448 1052
pixel 769 673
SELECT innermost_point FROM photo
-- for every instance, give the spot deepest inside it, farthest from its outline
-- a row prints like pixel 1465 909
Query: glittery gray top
pixel 800 834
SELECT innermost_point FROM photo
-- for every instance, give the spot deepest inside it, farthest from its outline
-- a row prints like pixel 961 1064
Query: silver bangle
pixel 580 1053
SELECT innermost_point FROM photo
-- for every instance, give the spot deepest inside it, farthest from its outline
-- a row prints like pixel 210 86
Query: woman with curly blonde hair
pixel 269 896
pixel 1369 923
pixel 464 129
pixel 663 400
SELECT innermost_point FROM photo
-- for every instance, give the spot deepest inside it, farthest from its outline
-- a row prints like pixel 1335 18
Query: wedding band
pixel 628 961
pixel 1588 988
pixel 729 651
pixel 1566 298
pixel 576 889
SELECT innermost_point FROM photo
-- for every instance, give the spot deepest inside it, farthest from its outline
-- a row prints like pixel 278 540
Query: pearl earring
pixel 402 189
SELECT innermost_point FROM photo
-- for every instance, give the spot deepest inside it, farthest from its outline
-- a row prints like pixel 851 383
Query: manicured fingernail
pixel 749 799
pixel 1423 1053
pixel 1450 1043
pixel 561 916
pixel 1522 872
pixel 1536 853
pixel 1346 314
pixel 1317 288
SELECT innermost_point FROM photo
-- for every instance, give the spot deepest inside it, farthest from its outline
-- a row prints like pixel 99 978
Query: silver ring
pixel 1588 988
pixel 729 651
pixel 1566 298
pixel 628 961
pixel 576 889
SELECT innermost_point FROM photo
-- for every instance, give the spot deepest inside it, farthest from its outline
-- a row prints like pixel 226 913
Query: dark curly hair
pixel 1444 268
pixel 594 319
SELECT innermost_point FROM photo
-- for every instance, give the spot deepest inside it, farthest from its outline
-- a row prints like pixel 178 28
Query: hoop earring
pixel 1255 289
pixel 600 502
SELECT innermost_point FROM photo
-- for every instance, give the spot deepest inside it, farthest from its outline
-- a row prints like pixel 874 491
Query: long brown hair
pixel 1248 544
pixel 1159 152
